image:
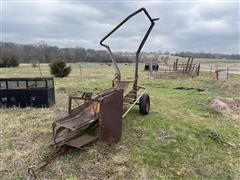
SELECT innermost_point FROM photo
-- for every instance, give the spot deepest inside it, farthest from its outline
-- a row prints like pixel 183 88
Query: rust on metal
pixel 33 172
pixel 176 70
pixel 219 72
pixel 152 21
pixel 81 141
pixel 103 111
pixel 111 111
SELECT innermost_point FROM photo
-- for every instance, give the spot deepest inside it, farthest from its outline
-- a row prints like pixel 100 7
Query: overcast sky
pixel 211 26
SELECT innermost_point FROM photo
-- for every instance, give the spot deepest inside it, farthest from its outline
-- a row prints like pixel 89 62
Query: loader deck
pixel 81 141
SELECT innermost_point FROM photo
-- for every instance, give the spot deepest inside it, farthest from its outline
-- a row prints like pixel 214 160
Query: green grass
pixel 206 60
pixel 170 142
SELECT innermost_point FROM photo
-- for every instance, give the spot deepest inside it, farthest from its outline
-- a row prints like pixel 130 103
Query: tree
pixel 59 69
pixel 13 61
pixel 9 61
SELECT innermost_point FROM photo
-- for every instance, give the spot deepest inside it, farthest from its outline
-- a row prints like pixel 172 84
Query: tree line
pixel 44 53
pixel 208 55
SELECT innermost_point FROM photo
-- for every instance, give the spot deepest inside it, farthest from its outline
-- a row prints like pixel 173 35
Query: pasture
pixel 173 141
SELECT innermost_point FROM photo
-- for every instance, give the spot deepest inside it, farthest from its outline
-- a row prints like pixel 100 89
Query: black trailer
pixel 147 66
pixel 27 91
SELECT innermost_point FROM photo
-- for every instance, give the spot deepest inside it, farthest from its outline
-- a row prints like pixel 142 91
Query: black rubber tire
pixel 144 104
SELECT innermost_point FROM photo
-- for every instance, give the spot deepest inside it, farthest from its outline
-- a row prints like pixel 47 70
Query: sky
pixel 209 26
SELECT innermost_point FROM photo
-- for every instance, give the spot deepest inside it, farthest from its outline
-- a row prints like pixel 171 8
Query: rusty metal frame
pixel 118 74
pixel 135 102
pixel 94 112
pixel 117 78
pixel 178 70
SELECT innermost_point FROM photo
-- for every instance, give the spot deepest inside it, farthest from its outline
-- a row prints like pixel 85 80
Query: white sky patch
pixel 163 43
pixel 65 42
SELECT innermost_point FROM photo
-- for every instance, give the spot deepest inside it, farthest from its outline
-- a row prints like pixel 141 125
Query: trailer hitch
pixel 33 172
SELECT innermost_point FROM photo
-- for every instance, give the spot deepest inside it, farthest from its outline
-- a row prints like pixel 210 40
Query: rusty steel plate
pixel 111 111
pixel 81 141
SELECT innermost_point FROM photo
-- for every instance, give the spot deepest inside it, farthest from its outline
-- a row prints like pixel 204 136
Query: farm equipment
pixel 178 70
pixel 27 91
pixel 219 74
pixel 103 111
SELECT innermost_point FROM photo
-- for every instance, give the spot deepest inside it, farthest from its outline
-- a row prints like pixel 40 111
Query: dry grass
pixel 168 143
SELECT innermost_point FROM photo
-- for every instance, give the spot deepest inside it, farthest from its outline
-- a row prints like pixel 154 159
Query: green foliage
pixel 9 61
pixel 13 61
pixel 59 69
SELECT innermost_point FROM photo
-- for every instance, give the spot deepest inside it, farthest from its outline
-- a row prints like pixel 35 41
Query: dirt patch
pixel 225 105
pixel 164 135
pixel 61 90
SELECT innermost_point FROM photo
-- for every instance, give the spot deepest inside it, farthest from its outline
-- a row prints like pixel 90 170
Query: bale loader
pixel 103 112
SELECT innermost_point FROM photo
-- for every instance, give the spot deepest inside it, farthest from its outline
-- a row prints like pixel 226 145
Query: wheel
pixel 144 104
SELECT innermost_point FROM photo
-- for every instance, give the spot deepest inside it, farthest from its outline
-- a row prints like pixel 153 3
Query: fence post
pixel 227 73
pixel 198 70
pixel 176 64
pixel 80 69
pixel 39 68
pixel 190 66
pixel 151 68
pixel 186 68
pixel 210 74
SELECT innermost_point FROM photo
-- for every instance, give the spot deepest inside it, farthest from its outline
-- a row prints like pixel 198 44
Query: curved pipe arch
pixel 152 20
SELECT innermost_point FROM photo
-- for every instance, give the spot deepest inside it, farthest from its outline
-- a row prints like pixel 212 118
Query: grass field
pixel 171 142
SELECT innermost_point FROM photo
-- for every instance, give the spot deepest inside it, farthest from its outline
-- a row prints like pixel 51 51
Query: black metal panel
pixel 16 97
pixel 22 92
pixel 111 111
